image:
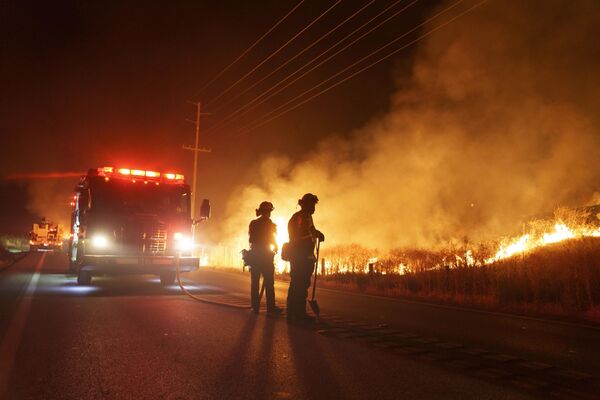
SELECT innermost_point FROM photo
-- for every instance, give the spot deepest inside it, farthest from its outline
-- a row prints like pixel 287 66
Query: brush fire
pixel 552 266
pixel 476 140
pixel 339 258
pixel 530 241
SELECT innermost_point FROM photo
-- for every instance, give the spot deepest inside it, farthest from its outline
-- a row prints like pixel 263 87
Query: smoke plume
pixel 497 122
pixel 50 198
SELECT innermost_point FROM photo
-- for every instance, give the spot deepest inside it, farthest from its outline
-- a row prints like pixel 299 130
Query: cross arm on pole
pixel 198 149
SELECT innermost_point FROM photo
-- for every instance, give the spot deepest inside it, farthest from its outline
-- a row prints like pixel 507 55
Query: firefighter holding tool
pixel 303 238
pixel 263 247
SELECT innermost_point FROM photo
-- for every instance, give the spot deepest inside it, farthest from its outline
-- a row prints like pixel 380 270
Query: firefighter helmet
pixel 307 199
pixel 265 206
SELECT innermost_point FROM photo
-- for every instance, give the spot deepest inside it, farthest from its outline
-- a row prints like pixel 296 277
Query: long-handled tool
pixel 260 294
pixel 313 301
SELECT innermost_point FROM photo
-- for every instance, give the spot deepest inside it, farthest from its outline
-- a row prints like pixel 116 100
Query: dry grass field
pixel 560 279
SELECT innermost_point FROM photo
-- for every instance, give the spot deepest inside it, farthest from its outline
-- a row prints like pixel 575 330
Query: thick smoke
pixel 498 122
pixel 50 198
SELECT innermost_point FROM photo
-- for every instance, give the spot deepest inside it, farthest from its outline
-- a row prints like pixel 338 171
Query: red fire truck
pixel 132 221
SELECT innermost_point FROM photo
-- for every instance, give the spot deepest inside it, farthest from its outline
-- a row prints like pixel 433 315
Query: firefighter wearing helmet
pixel 303 237
pixel 263 246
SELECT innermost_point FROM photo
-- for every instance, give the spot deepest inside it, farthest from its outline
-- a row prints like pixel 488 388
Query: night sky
pixel 87 84
pixel 487 122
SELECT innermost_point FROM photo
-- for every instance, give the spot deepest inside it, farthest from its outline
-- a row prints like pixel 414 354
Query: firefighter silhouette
pixel 263 247
pixel 303 236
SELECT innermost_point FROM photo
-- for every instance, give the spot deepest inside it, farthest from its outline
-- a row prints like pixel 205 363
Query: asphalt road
pixel 128 337
pixel 560 343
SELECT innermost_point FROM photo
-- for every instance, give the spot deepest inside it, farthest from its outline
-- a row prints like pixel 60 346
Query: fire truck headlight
pixel 100 241
pixel 182 242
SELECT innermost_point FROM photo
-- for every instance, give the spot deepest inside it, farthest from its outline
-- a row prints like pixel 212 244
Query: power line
pixel 274 53
pixel 252 104
pixel 249 106
pixel 255 125
pixel 248 49
pixel 296 56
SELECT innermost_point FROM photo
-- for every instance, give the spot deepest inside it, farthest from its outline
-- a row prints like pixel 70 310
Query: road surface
pixel 130 338
pixel 566 344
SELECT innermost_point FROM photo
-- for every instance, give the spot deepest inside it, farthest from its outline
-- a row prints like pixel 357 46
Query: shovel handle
pixel 316 271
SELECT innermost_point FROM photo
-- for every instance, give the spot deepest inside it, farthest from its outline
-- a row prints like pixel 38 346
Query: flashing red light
pixel 152 174
pixel 110 172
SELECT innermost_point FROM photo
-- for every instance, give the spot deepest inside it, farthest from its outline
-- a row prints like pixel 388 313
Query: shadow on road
pixel 236 362
pixel 265 364
pixel 311 366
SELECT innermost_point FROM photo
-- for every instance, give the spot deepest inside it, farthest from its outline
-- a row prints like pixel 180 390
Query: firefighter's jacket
pixel 303 234
pixel 261 234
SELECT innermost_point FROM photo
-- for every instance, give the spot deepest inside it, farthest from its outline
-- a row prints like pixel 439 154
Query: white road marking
pixel 12 338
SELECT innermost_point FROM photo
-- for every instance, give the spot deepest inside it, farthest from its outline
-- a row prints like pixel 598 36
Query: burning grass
pixel 552 267
pixel 558 279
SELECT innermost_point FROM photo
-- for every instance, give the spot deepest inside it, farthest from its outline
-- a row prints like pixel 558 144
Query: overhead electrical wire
pixel 213 80
pixel 273 54
pixel 253 103
pixel 310 46
pixel 261 121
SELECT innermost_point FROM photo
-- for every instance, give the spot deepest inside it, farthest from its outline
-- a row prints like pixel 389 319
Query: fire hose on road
pixel 197 298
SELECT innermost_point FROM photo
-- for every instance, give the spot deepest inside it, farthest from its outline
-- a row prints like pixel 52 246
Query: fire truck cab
pixel 128 221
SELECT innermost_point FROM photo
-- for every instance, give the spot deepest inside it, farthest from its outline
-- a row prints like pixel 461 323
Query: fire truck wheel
pixel 84 278
pixel 167 278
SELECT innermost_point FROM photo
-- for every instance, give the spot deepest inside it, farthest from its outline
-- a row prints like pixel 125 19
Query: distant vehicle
pixel 129 221
pixel 46 235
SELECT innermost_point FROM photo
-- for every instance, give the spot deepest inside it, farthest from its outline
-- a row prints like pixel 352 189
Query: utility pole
pixel 196 150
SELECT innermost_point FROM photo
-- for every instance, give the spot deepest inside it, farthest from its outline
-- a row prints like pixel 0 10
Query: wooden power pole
pixel 196 150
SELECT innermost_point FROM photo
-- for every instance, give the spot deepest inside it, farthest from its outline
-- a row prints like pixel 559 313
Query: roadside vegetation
pixel 561 279
pixel 551 268
pixel 6 257
pixel 14 243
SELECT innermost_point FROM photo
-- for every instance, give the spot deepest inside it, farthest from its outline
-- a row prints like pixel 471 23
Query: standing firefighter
pixel 263 248
pixel 303 237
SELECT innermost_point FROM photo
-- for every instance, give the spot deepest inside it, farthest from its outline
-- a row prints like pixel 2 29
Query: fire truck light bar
pixel 109 172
